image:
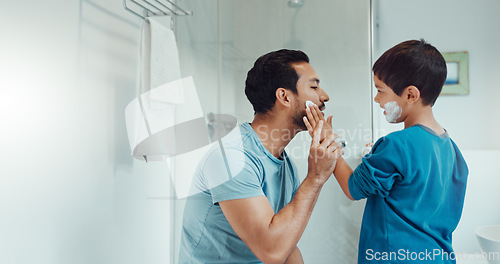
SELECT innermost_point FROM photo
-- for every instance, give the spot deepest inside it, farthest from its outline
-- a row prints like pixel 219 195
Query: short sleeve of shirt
pixel 378 170
pixel 296 180
pixel 231 173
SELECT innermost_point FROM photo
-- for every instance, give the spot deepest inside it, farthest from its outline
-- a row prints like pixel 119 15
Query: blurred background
pixel 70 190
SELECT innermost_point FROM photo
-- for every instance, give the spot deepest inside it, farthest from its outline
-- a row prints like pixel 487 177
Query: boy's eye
pixel 314 87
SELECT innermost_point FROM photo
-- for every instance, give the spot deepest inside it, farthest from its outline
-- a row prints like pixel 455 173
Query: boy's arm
pixel 342 173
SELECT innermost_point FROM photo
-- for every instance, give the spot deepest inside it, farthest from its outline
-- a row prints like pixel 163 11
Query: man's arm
pixel 295 257
pixel 342 170
pixel 274 237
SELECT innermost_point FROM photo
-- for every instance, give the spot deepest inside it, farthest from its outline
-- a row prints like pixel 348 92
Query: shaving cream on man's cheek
pixel 392 111
pixel 309 104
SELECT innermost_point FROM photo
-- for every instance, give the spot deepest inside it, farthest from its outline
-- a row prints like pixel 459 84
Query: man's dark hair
pixel 270 72
pixel 413 62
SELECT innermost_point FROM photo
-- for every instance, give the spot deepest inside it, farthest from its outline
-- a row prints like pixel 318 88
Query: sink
pixel 489 241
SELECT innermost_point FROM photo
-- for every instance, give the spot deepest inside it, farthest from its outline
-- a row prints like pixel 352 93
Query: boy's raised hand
pixel 314 115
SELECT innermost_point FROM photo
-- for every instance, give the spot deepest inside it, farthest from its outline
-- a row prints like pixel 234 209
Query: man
pixel 250 206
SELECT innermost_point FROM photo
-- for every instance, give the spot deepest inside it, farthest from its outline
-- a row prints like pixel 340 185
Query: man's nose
pixel 324 96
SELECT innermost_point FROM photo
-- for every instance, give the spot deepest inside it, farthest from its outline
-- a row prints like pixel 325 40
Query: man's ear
pixel 412 94
pixel 283 97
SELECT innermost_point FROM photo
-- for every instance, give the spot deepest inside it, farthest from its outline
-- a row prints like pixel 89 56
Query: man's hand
pixel 323 154
pixel 341 169
pixel 314 115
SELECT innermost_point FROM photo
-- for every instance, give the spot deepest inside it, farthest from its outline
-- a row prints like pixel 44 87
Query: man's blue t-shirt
pixel 415 183
pixel 239 167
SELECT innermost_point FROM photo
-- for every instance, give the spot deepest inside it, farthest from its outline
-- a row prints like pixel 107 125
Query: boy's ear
pixel 283 97
pixel 412 94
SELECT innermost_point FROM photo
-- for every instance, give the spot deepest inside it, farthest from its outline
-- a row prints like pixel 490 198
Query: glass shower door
pixel 221 41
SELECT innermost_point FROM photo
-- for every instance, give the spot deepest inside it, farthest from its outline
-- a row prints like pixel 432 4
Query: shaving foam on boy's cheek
pixel 392 111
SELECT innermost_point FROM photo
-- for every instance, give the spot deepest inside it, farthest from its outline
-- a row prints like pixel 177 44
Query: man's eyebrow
pixel 315 80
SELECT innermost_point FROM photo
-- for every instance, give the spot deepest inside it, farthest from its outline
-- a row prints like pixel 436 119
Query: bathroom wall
pixel 471 120
pixel 70 192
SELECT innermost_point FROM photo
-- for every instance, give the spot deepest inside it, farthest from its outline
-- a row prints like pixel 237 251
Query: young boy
pixel 414 179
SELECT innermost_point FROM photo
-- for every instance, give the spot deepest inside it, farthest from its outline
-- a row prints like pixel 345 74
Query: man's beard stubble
pixel 298 119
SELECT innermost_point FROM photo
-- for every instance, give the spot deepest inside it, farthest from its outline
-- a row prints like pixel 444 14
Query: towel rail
pixel 154 8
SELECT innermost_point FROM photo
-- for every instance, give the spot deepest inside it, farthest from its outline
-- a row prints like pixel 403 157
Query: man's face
pixel 308 89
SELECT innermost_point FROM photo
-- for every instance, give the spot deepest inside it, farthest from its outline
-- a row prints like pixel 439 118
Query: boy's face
pixel 389 101
pixel 308 89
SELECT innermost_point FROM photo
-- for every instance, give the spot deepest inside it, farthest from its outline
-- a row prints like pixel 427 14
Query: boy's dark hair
pixel 413 62
pixel 270 72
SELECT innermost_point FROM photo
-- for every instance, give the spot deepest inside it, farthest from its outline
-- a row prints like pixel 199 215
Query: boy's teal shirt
pixel 414 181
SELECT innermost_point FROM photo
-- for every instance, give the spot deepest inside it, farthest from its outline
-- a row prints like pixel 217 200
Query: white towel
pixel 166 122
pixel 162 91
pixel 159 68
pixel 159 55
